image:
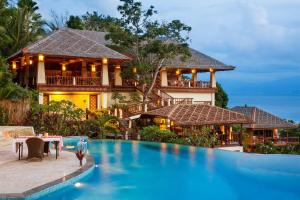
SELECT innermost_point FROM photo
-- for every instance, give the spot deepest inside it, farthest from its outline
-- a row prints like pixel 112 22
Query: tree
pixel 221 97
pixel 8 89
pixel 98 22
pixel 150 42
pixel 19 25
pixel 75 22
pixel 57 21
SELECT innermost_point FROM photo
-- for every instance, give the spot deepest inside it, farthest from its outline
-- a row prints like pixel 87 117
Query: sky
pixel 260 37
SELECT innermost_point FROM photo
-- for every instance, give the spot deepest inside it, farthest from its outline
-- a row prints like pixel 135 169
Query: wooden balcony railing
pixel 72 80
pixel 189 84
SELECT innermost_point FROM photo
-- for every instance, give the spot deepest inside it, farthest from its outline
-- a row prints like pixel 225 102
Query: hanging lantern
pixel 93 68
pixel 14 65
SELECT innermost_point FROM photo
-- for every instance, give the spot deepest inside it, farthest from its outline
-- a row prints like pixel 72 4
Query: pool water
pixel 141 170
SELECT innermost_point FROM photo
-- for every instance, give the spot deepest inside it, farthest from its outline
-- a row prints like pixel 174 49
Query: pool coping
pixel 52 186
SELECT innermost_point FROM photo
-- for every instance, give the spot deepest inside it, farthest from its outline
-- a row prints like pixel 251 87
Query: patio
pixel 20 176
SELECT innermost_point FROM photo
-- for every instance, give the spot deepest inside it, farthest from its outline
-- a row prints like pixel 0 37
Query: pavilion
pixel 265 126
pixel 182 117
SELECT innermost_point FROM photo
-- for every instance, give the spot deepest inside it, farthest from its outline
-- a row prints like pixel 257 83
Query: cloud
pixel 256 36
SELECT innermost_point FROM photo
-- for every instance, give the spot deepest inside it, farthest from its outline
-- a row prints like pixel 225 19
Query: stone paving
pixel 18 176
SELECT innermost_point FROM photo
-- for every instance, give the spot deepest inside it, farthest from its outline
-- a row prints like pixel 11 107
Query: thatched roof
pixel 198 61
pixel 199 114
pixel 262 119
pixel 91 44
pixel 73 43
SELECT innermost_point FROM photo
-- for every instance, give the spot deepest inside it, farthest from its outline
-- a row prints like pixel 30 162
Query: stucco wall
pixel 80 100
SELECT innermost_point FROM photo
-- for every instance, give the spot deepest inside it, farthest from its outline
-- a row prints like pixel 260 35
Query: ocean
pixel 286 107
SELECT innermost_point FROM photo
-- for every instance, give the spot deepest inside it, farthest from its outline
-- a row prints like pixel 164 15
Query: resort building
pixel 266 126
pixel 183 118
pixel 77 65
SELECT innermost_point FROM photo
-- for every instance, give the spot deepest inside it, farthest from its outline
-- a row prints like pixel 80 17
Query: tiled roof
pixel 198 114
pixel 199 61
pixel 262 119
pixel 74 43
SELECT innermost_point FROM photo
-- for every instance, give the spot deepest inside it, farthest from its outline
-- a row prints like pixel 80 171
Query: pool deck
pixel 22 177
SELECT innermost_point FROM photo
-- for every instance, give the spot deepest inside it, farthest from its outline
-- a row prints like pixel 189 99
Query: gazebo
pixel 183 117
pixel 265 126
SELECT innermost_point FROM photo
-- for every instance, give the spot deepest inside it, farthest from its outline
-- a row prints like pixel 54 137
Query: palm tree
pixel 20 25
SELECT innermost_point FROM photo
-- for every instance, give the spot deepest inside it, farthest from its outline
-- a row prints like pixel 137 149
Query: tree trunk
pixel 146 94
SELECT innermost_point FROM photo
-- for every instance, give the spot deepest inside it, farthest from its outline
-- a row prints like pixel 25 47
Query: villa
pixel 77 65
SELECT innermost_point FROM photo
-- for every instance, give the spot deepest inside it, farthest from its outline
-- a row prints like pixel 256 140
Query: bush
pixel 58 117
pixel 267 148
pixel 202 137
pixel 153 133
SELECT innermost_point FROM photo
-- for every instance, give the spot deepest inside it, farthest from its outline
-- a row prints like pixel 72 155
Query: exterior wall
pixel 80 100
pixel 195 96
pixel 110 101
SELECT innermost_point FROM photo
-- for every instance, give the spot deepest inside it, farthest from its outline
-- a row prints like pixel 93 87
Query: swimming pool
pixel 141 170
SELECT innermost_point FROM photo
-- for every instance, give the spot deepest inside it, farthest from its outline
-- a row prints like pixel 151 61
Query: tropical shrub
pixel 266 148
pixel 202 137
pixel 57 117
pixel 153 133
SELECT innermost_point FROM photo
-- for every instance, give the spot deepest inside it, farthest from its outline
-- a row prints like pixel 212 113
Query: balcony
pixel 72 84
pixel 189 84
pixel 72 81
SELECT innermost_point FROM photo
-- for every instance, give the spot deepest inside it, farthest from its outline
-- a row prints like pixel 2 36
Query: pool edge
pixel 55 185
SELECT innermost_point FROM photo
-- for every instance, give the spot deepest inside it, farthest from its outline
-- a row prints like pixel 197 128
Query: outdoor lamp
pixel 177 71
pixel 104 61
pixel 134 70
pixel 63 67
pixel 193 71
pixel 211 70
pixel 41 57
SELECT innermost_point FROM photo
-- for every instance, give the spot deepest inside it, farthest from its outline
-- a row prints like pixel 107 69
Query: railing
pixel 202 102
pixel 71 80
pixel 175 101
pixel 189 84
pixel 88 80
pixel 278 141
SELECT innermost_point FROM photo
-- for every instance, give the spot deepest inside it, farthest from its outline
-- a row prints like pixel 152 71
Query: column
pixel 241 135
pixel 98 101
pixel 275 133
pixel 26 76
pixel 164 77
pixel 105 78
pixel 104 100
pixel 83 69
pixel 41 78
pixel 213 99
pixel 213 79
pixel 118 78
pixel 41 98
pixel 194 78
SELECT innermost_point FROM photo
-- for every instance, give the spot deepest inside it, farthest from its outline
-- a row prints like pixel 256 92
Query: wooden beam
pixel 241 135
